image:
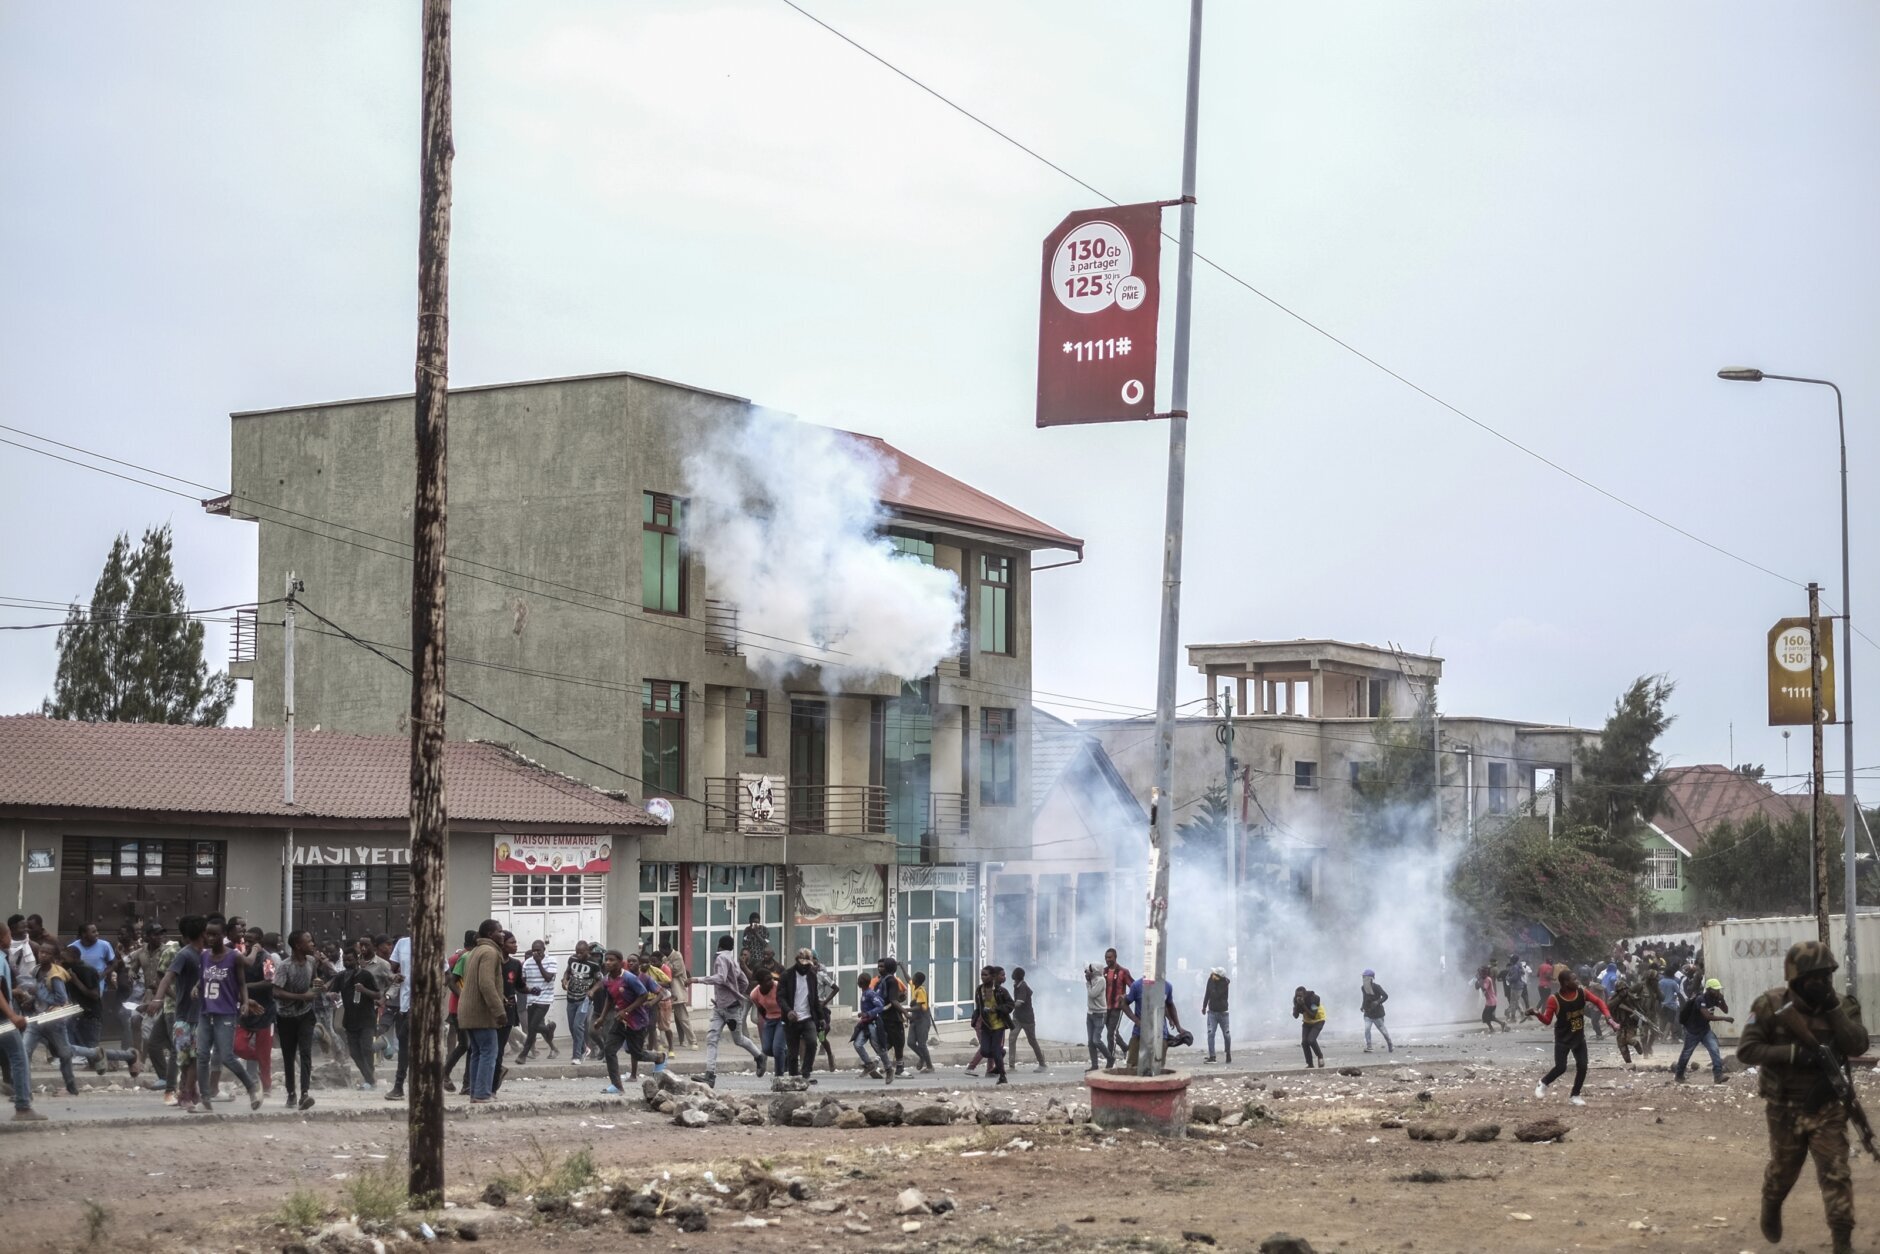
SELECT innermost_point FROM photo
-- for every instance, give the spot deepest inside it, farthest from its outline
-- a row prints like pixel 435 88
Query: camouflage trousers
pixel 1794 1134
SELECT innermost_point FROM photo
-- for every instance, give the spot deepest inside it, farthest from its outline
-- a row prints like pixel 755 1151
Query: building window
pixel 998 757
pixel 995 604
pixel 1499 800
pixel 1305 774
pixel 1374 693
pixel 662 737
pixel 662 565
pixel 754 728
pixel 1661 870
pixel 915 544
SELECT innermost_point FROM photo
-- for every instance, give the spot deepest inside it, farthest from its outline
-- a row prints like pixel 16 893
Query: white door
pixel 556 909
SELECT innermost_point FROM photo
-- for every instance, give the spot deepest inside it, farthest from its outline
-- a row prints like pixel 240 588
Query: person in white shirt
pixel 538 974
pixel 401 1016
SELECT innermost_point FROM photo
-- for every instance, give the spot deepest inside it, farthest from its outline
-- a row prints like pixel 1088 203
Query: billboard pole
pixel 1817 826
pixel 1162 806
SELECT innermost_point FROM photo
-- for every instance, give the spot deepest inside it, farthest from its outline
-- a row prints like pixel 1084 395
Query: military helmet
pixel 1805 958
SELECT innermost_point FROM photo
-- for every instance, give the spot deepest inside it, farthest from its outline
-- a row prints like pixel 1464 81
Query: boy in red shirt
pixel 1566 1010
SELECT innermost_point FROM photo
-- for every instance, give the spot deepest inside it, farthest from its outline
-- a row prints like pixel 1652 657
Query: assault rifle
pixel 1838 1073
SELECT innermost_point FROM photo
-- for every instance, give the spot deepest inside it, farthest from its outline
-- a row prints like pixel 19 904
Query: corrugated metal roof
pixel 1699 798
pixel 54 764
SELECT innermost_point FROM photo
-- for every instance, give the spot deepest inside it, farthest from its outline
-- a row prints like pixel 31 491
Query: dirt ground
pixel 1646 1166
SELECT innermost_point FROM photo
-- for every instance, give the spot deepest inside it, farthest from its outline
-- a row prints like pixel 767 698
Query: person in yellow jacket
pixel 1310 1011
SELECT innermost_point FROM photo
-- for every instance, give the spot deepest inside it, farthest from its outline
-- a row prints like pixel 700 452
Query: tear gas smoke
pixel 1317 907
pixel 789 522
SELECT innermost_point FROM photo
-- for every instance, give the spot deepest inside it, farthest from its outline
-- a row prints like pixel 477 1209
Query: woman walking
pixel 992 1017
pixel 1310 1011
pixel 770 1032
pixel 1566 1010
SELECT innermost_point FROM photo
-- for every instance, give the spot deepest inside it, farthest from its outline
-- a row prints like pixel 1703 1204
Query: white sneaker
pixel 1540 1091
pixel 1577 1101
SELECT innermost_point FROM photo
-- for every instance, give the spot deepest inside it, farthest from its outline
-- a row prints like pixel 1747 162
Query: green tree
pixel 1204 840
pixel 1391 805
pixel 1517 874
pixel 1761 867
pixel 1620 785
pixel 133 656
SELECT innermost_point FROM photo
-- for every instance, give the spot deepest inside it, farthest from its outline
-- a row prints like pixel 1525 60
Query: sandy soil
pixel 1646 1166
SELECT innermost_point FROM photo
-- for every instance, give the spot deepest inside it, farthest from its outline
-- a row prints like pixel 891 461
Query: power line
pixel 1296 316
pixel 744 637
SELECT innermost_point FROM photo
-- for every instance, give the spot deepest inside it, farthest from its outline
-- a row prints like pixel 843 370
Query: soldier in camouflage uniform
pixel 1804 1117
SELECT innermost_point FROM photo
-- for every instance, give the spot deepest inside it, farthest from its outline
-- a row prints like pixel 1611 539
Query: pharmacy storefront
pixel 936 925
pixel 840 913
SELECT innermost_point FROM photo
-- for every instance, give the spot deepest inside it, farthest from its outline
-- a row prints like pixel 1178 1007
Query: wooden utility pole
pixel 430 828
pixel 1818 823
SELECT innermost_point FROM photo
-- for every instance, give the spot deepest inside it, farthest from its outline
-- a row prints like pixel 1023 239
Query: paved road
pixel 115 1097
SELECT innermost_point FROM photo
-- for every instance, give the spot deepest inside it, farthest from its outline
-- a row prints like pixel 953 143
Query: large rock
pixel 1541 1130
pixel 829 1116
pixel 851 1119
pixel 690 1218
pixel 783 1105
pixel 692 1117
pixel 998 1115
pixel 1481 1132
pixel 881 1114
pixel 1431 1132
pixel 932 1115
pixel 751 1116
pixel 1285 1243
pixel 789 1084
pixel 910 1202
pixel 1204 1112
pixel 674 1083
pixel 804 1117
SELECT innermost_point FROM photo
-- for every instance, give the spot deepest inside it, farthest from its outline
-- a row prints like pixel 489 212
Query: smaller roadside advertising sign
pixel 1097 316
pixel 1790 701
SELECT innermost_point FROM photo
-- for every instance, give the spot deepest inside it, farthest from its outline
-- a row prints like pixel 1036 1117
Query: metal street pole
pixel 1817 793
pixel 287 750
pixel 1162 806
pixel 1850 956
pixel 1233 836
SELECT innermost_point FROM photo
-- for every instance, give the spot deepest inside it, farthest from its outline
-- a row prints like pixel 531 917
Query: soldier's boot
pixel 1771 1221
pixel 1843 1241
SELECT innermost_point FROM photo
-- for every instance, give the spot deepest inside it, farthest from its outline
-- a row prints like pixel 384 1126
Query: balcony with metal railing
pixel 758 806
pixel 948 814
pixel 721 628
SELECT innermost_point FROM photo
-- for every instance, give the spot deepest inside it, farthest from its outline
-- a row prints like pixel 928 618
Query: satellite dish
pixel 660 809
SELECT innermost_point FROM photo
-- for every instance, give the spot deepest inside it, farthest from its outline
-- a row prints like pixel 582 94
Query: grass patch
pixel 97 1219
pixel 376 1195
pixel 543 1173
pixel 301 1212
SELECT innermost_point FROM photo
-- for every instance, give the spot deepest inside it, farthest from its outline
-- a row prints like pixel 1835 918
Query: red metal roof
pixel 1699 798
pixel 55 765
pixel 918 489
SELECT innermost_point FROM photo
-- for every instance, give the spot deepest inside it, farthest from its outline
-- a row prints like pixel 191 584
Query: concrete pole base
pixel 1157 1104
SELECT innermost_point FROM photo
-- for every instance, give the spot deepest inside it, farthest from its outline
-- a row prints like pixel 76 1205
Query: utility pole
pixel 1817 818
pixel 287 749
pixel 1162 803
pixel 430 829
pixel 1233 835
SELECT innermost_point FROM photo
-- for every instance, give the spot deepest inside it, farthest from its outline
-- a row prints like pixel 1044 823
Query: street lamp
pixel 1745 374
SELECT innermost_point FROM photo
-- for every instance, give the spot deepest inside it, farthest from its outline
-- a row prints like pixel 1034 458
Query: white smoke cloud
pixel 788 520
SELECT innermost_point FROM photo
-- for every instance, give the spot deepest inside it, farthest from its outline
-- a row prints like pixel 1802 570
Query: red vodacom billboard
pixel 1096 321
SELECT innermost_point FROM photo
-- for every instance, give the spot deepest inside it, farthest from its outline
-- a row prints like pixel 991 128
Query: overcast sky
pixel 1561 220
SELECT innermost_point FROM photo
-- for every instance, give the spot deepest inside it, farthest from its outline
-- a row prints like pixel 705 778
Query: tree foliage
pixel 1757 866
pixel 1205 840
pixel 1393 792
pixel 1518 874
pixel 132 657
pixel 1619 784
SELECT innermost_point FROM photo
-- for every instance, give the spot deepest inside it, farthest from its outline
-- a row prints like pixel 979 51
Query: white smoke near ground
pixel 788 520
pixel 1316 908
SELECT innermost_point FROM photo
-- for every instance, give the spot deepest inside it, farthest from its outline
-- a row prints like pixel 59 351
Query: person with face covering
pixel 799 996
pixel 1310 1011
pixel 1371 1004
pixel 1785 1027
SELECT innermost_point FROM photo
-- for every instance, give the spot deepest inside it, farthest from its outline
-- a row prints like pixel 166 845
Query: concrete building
pixel 1305 713
pixel 124 822
pixel 851 815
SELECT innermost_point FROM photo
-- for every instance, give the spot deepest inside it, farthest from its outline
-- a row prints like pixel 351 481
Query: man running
pixel 1707 1008
pixel 577 980
pixel 224 999
pixel 1566 1010
pixel 13 1044
pixel 538 975
pixel 730 987
pixel 1024 1018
